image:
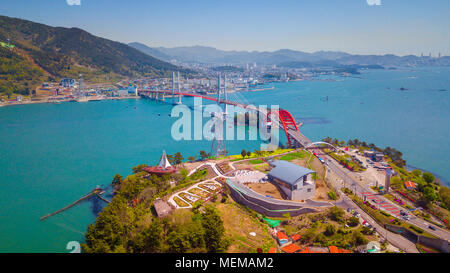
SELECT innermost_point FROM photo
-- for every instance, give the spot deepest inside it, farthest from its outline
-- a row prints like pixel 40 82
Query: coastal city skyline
pixel 355 27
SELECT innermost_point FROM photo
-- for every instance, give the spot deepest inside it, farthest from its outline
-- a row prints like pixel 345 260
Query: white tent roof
pixel 164 163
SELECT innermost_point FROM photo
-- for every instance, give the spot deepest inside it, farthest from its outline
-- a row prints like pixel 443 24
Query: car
pixel 348 210
pixel 431 227
pixel 358 215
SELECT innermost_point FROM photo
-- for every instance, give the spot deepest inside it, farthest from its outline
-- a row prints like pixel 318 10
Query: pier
pixel 97 192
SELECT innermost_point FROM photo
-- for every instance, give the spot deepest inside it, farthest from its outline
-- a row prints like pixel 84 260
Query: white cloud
pixel 374 2
pixel 73 2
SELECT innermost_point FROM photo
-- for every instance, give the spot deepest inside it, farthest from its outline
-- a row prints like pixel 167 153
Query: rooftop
pixel 288 172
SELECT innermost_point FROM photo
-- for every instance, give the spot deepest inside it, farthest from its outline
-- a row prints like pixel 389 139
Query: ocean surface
pixel 52 154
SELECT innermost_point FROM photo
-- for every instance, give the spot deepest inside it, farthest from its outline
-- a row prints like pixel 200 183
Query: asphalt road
pixel 394 239
pixel 352 184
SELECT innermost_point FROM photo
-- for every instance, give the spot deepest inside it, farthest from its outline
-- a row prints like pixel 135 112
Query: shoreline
pixel 49 102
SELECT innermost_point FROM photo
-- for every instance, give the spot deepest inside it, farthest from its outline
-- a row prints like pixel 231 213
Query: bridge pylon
pixel 179 89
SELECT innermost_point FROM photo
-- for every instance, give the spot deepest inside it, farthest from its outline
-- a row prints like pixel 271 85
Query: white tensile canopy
pixel 164 163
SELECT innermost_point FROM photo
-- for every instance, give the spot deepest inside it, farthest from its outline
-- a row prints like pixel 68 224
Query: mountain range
pixel 52 53
pixel 283 57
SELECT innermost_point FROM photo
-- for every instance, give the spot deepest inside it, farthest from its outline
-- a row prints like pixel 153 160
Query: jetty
pixel 96 192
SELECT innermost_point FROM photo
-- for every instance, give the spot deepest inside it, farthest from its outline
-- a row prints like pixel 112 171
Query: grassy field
pixel 293 156
pixel 238 226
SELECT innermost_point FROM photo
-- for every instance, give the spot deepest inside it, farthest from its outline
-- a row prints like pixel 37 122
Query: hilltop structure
pixel 295 181
pixel 164 167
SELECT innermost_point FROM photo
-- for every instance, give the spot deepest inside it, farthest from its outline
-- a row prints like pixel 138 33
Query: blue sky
pixel 396 26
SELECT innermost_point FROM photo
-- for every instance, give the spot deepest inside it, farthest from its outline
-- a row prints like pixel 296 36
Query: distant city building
pixel 295 181
pixel 122 92
pixel 66 82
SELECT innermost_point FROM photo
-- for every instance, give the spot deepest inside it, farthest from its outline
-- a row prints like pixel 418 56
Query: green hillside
pixel 53 52
pixel 17 74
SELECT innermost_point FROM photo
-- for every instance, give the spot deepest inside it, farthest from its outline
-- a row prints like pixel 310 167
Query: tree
pixel 249 154
pixel 353 221
pixel 429 194
pixel 243 153
pixel 396 182
pixel 139 168
pixel 429 177
pixel 358 239
pixel 332 195
pixel 417 173
pixel 330 230
pixel 188 237
pixel 153 236
pixel 117 180
pixel 336 214
pixel 178 158
pixel 191 159
pixel 203 155
pixel 214 230
pixel 444 193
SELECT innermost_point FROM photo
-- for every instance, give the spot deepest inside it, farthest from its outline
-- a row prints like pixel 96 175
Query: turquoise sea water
pixel 52 154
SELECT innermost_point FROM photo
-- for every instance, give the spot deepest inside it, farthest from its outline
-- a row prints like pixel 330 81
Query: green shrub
pixel 418 230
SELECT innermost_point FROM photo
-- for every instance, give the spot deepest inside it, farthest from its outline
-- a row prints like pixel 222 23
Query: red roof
pixel 272 250
pixel 296 237
pixel 409 184
pixel 291 248
pixel 334 249
pixel 282 236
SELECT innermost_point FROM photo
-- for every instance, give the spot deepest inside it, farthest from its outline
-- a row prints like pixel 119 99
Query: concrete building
pixel 374 156
pixel 295 181
pixel 162 208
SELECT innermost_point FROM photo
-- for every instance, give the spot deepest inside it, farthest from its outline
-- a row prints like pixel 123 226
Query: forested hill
pixel 66 52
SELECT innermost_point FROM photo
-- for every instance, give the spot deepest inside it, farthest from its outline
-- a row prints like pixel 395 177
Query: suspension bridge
pixel 285 120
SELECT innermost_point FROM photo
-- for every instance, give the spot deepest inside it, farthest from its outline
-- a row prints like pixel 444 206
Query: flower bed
pixel 199 192
pixel 188 197
pixel 180 202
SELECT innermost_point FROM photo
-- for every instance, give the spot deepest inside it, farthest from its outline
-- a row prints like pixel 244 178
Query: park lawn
pixel 256 161
pixel 234 158
pixel 293 156
pixel 238 226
